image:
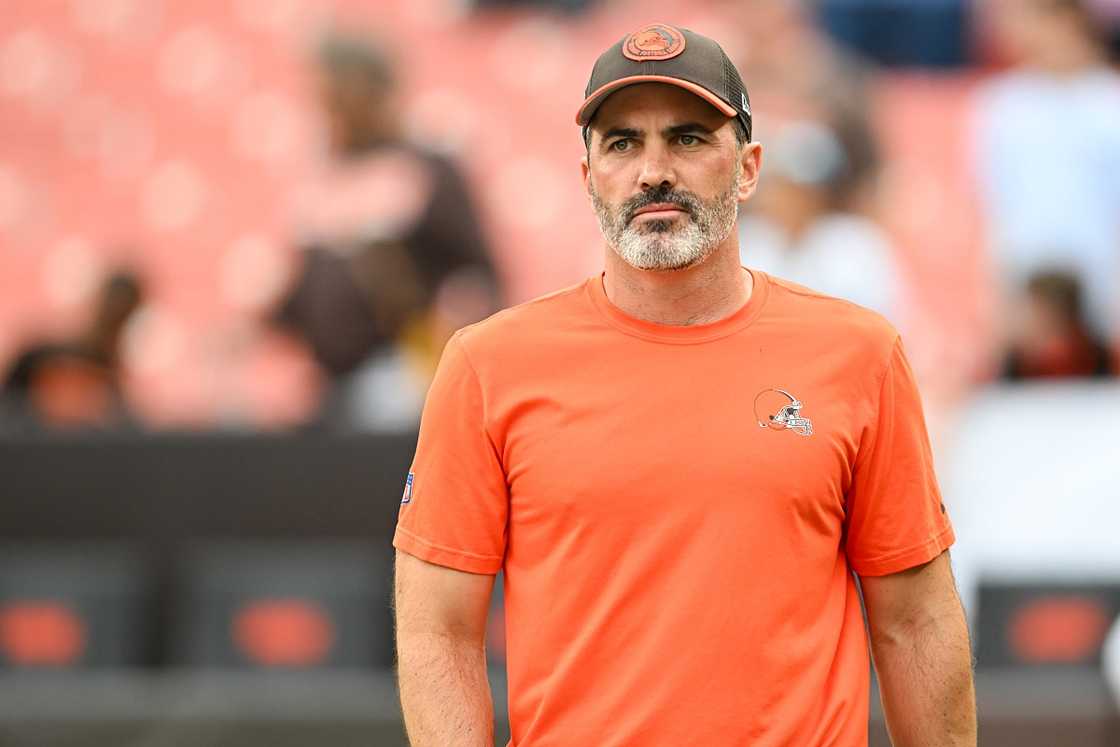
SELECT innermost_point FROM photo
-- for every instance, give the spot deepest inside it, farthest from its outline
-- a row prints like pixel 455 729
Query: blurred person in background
pixel 76 383
pixel 395 259
pixel 1108 14
pixel 799 74
pixel 1047 150
pixel 1050 337
pixel 800 231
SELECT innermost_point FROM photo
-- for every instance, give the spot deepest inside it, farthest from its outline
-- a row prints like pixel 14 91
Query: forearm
pixel 445 695
pixel 925 682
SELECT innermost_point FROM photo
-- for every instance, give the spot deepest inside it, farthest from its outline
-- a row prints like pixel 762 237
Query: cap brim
pixel 591 104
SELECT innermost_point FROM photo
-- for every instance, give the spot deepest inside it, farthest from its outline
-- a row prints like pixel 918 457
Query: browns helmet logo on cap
pixel 654 42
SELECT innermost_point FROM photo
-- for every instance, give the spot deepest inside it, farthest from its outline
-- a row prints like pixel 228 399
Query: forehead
pixel 655 104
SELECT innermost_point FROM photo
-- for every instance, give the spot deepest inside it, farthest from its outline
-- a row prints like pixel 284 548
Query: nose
pixel 657 170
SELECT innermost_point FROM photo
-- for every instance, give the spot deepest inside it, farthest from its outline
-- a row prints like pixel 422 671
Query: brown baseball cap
pixel 660 53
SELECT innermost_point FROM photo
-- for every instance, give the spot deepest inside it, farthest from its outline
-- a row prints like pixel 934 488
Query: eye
pixel 620 145
pixel 688 140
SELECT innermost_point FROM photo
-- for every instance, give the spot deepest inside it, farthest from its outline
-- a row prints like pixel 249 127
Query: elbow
pixel 916 627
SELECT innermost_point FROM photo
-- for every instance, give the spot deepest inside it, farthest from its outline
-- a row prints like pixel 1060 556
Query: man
pixel 76 383
pixel 1050 336
pixel 395 258
pixel 1057 208
pixel 801 230
pixel 677 464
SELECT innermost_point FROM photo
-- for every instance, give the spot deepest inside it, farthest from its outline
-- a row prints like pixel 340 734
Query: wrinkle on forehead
pixel 629 106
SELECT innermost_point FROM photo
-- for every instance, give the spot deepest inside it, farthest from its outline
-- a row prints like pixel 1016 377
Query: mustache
pixel 684 200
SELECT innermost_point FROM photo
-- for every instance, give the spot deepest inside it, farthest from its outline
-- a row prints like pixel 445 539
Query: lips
pixel 659 207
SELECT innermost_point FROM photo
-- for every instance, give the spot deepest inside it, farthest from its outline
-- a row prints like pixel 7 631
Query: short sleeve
pixel 455 501
pixel 895 516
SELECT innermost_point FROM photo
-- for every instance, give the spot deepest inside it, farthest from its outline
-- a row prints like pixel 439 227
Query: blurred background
pixel 234 237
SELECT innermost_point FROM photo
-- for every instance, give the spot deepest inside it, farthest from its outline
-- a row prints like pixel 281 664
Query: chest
pixel 682 439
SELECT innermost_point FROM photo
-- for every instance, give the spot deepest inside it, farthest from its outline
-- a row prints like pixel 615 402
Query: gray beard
pixel 666 244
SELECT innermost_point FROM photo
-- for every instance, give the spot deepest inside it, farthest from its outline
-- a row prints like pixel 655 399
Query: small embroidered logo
pixel 779 410
pixel 406 497
pixel 654 42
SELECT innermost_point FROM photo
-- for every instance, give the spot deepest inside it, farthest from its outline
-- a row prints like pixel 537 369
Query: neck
pixel 101 341
pixel 713 290
pixel 361 141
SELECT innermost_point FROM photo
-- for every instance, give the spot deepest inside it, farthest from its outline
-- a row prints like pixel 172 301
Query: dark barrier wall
pixel 168 487
pixel 168 497
pixel 165 501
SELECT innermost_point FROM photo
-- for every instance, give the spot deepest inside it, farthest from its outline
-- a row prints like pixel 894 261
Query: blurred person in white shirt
pixel 1047 151
pixel 800 231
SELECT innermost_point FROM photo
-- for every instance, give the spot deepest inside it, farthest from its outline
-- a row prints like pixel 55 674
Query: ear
pixel 751 161
pixel 585 174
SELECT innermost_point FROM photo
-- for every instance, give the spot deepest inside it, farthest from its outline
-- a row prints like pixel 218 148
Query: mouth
pixel 660 211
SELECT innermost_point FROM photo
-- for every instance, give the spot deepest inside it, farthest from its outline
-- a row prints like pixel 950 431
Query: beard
pixel 668 244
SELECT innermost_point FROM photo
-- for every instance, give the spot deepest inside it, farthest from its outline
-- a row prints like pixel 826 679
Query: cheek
pixel 707 180
pixel 611 181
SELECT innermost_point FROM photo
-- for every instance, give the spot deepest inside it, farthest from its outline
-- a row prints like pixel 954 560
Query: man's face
pixel 665 176
pixel 355 108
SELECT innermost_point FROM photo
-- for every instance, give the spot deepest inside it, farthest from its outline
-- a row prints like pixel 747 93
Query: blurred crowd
pixel 391 249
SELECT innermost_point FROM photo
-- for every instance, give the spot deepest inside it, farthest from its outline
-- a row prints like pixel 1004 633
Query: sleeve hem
pixel 460 560
pixel 900 561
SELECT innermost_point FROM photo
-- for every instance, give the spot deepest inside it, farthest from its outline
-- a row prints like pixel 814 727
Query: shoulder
pixel 515 328
pixel 827 321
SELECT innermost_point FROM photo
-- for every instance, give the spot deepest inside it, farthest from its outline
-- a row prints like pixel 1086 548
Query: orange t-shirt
pixel 677 511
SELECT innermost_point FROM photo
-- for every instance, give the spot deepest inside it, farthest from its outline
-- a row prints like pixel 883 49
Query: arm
pixel 919 642
pixel 441 658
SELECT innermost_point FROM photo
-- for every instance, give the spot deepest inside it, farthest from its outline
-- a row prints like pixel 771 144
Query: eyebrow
pixel 621 132
pixel 687 127
pixel 680 129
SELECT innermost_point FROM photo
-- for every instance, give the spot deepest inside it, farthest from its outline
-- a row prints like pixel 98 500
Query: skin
pixel 794 207
pixel 441 657
pixel 1055 41
pixel 916 623
pixel 703 164
pixel 358 112
pixel 920 647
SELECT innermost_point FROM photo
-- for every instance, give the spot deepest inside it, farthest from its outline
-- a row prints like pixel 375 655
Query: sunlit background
pixel 234 237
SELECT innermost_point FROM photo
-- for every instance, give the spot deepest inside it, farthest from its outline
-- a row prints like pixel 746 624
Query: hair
pixel 124 284
pixel 1061 289
pixel 742 137
pixel 343 55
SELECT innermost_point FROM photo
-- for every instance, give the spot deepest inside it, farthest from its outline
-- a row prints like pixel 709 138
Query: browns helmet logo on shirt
pixel 779 410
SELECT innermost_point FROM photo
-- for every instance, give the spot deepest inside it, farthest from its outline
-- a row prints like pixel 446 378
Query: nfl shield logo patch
pixel 406 497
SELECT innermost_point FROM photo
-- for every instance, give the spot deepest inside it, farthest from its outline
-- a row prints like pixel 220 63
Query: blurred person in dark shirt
pixel 76 382
pixel 395 259
pixel 1050 336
